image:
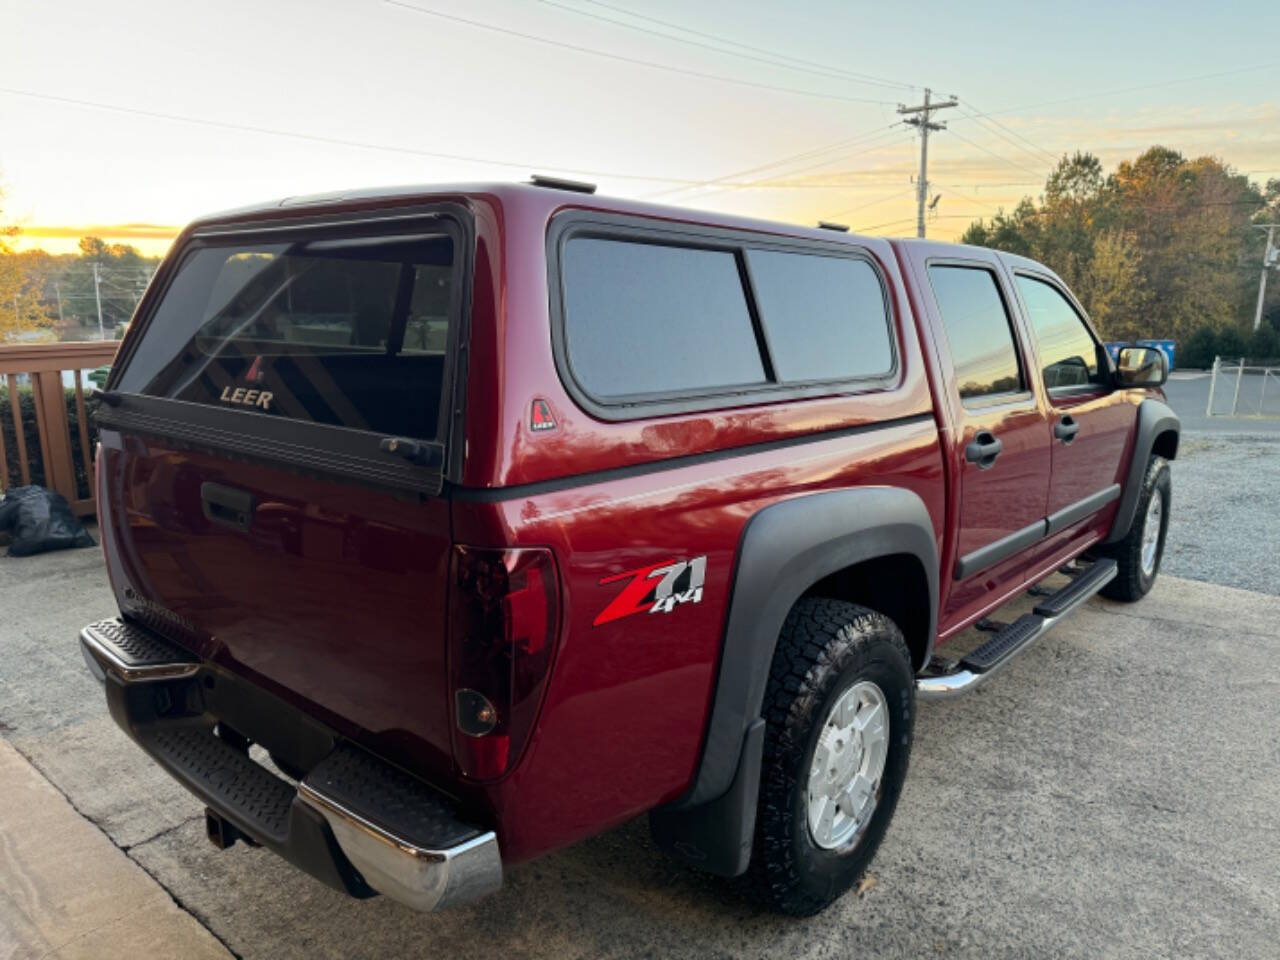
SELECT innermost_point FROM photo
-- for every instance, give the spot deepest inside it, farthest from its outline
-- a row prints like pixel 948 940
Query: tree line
pixel 55 296
pixel 1164 247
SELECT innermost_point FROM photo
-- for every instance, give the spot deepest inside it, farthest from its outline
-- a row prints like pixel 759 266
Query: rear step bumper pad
pixel 427 859
pixel 995 654
pixel 132 655
pixel 354 821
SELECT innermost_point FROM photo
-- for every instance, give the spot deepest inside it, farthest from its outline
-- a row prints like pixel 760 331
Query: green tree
pixel 122 276
pixel 1192 218
pixel 1117 298
pixel 1017 232
pixel 1159 248
pixel 1068 216
pixel 22 311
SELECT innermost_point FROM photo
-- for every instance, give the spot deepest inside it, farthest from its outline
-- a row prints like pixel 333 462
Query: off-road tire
pixel 1131 582
pixel 825 647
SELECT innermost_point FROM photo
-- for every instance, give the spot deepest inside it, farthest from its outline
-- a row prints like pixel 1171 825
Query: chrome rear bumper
pixel 418 877
pixel 394 834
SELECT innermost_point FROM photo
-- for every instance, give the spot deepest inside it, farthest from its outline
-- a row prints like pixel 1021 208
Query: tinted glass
pixel 977 323
pixel 344 332
pixel 825 316
pixel 1068 352
pixel 645 318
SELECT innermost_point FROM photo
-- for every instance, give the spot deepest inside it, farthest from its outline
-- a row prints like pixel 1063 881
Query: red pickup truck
pixel 449 526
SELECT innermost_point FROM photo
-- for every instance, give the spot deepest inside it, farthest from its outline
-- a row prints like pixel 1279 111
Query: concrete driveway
pixel 1115 793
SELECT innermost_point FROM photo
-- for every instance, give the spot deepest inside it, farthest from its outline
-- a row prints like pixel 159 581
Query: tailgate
pixel 273 443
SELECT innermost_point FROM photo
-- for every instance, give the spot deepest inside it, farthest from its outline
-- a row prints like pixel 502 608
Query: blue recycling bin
pixel 1164 346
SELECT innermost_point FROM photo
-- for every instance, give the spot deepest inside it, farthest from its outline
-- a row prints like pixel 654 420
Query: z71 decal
pixel 659 588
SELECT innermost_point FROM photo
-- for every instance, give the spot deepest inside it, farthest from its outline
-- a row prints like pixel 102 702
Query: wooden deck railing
pixel 45 364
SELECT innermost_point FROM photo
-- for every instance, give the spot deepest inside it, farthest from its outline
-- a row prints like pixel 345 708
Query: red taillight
pixel 503 613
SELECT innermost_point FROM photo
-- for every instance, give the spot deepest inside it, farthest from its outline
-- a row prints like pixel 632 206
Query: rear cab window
pixel 651 321
pixel 323 339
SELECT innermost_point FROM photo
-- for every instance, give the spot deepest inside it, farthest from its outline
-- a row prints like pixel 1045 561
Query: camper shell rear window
pixel 344 331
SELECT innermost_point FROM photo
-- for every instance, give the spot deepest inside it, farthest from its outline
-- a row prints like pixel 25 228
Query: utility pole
pixel 57 291
pixel 97 296
pixel 1270 257
pixel 923 119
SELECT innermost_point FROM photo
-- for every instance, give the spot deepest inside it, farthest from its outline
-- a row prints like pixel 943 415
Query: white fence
pixel 1244 388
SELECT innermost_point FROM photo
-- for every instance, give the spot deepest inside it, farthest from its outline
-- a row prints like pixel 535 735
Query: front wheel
pixel 839 711
pixel 1139 554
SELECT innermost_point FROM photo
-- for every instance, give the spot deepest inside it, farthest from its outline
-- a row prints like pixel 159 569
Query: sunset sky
pixel 130 118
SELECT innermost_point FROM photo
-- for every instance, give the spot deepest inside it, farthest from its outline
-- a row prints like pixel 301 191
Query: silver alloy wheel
pixel 1151 533
pixel 848 763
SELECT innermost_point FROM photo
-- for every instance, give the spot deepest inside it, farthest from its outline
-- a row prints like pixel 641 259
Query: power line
pixel 681 183
pixel 1037 153
pixel 636 61
pixel 962 196
pixel 356 144
pixel 805 169
pixel 307 137
pixel 1006 183
pixel 770 57
pixel 873 203
pixel 877 226
pixel 940 216
pixel 1147 207
pixel 1134 89
pixel 991 153
pixel 839 144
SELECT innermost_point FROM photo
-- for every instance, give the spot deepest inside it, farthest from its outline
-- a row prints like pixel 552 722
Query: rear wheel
pixel 839 711
pixel 1139 554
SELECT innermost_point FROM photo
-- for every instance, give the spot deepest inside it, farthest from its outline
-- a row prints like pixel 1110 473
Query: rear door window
pixel 825 317
pixel 1068 352
pixel 647 318
pixel 344 332
pixel 983 349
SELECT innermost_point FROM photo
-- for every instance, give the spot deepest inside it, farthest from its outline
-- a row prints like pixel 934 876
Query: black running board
pixel 1097 576
pixel 996 653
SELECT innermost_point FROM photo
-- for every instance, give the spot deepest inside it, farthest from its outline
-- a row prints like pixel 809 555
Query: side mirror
pixel 1141 367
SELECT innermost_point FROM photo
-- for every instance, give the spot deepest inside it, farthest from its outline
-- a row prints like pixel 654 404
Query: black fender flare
pixel 1154 418
pixel 785 549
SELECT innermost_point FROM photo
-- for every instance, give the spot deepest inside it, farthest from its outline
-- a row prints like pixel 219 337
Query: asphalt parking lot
pixel 1116 792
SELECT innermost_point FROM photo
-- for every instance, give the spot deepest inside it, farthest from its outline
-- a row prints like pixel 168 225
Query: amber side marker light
pixel 503 614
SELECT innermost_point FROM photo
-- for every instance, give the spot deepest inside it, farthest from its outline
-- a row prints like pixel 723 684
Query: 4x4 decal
pixel 678 581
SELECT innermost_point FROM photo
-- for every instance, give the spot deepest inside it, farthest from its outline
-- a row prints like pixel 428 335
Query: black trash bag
pixel 40 520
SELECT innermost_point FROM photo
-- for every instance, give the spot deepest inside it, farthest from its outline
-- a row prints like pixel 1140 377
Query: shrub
pixel 31 434
pixel 1199 349
pixel 1231 344
pixel 1264 344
